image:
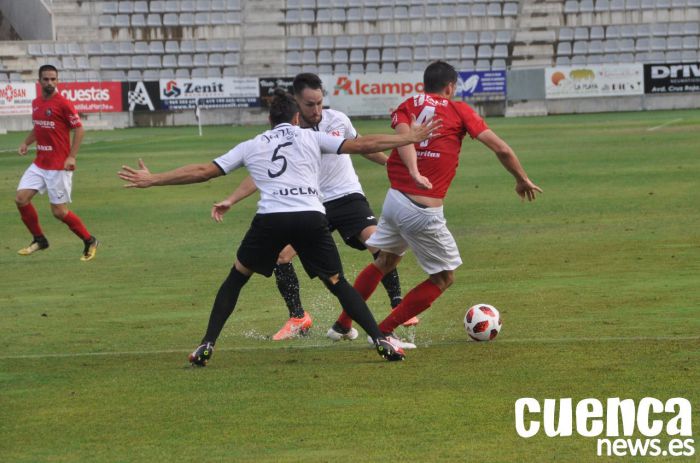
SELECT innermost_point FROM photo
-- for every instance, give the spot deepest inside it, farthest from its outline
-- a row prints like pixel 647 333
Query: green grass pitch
pixel 597 283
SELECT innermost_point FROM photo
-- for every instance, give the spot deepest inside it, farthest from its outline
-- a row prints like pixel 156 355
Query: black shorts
pixel 350 215
pixel 306 231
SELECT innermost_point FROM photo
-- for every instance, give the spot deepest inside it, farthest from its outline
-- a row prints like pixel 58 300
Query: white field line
pixel 427 344
pixel 673 121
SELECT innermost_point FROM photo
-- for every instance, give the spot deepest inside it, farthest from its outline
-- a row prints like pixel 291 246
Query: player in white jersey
pixel 284 163
pixel 346 207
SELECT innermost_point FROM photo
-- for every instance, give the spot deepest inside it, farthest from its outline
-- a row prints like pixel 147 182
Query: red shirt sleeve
pixel 472 121
pixel 402 115
pixel 71 115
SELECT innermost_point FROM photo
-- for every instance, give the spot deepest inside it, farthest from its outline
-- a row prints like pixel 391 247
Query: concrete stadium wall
pixel 30 18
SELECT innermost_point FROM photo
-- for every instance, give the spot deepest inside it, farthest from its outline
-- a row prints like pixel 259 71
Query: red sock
pixel 30 219
pixel 416 301
pixel 76 225
pixel 365 284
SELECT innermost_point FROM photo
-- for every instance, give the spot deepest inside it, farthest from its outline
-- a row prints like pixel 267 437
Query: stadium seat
pixel 468 52
pixel 388 67
pixel 372 55
pixel 201 46
pixel 60 48
pixel 617 5
pixel 169 61
pixel 232 59
pixel 122 62
pixel 612 32
pixel 416 12
pixel 581 33
pixel 307 57
pixel 690 43
pixel 200 60
pixel 563 61
pixel 689 56
pixel 388 55
pixel 485 51
pixel 571 7
pixel 602 6
pixel 358 68
pixel 595 47
pixel 420 54
pixel 341 68
pixel 202 5
pixel 106 21
pixel 184 61
pixel 137 62
pixel 358 41
pixel 323 16
pixel 182 73
pixel 325 57
pixel 138 20
pixel 354 15
pixel 471 38
pixel 47 49
pixel 187 6
pixel 213 73
pixel 454 38
pixel 643 44
pixel 372 68
pixel 452 53
pixel 400 14
pixel 326 42
pixel 376 41
pixel 199 73
pixel 403 66
pixel 487 37
pixel 170 19
pixel 153 62
pixel 340 56
pixel 586 6
pixel 110 7
pixel 201 18
pixel 500 51
pixel 478 10
pixel 218 5
pixel 675 29
pixel 156 47
pixel 510 9
pixel 187 46
pixel 385 13
pixel 369 14
pixel 421 40
pixel 494 9
pixel 462 10
pixel 122 20
pixel 233 45
pixel 216 59
pixel 357 56
pixel 580 47
pixel 611 46
pixel 218 46
pixel 563 48
pixel 404 54
pixel 186 19
pixel 231 71
pixel 438 38
pixel 342 41
pixel 498 64
pixel 34 49
pixel 139 48
pixel 172 46
pixel 503 36
pixel 153 20
pixel 597 33
pixel 673 56
pixel 691 28
pixel 126 7
pixel 436 53
pixel 157 6
pixel 483 65
pixel 405 40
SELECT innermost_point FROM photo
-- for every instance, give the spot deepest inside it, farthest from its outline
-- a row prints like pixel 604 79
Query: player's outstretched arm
pixel 372 143
pixel 24 147
pixel 524 186
pixel 192 173
pixel 410 159
pixel 245 189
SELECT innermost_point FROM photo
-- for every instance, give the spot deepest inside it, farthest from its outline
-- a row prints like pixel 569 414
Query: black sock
pixel 354 306
pixel 392 284
pixel 288 285
pixel 224 304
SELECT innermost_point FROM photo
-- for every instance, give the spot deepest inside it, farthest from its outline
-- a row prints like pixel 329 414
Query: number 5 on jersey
pixel 276 157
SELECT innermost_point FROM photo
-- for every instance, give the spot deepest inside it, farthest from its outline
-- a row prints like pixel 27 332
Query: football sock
pixel 365 284
pixel 288 285
pixel 30 219
pixel 391 284
pixel 416 301
pixel 355 307
pixel 224 303
pixel 76 225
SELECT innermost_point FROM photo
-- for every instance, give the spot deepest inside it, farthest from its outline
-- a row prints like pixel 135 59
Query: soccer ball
pixel 482 322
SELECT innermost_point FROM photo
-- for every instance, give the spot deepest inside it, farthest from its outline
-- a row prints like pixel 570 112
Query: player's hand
pixel 219 209
pixel 419 132
pixel 69 164
pixel 526 189
pixel 23 149
pixel 136 178
pixel 422 182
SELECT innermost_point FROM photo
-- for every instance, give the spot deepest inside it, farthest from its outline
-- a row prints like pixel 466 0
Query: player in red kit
pixel 53 118
pixel 420 175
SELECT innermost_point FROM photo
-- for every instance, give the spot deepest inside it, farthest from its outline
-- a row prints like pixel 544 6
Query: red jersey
pixel 438 157
pixel 53 120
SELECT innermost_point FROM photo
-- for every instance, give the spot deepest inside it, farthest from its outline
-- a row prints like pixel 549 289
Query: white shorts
pixel 58 183
pixel 424 230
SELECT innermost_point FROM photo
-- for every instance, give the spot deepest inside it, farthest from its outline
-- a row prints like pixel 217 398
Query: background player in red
pixel 420 175
pixel 53 118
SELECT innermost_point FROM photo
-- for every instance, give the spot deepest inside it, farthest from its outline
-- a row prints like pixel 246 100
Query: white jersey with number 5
pixel 284 163
pixel 338 177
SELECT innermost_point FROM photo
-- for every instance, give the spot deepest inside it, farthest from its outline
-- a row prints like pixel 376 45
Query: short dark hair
pixel 282 108
pixel 47 67
pixel 438 75
pixel 306 80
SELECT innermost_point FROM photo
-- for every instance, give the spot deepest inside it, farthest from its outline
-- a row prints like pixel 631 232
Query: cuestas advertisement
pixel 92 97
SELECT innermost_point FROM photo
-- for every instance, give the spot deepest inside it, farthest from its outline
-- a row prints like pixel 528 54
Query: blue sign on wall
pixel 481 85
